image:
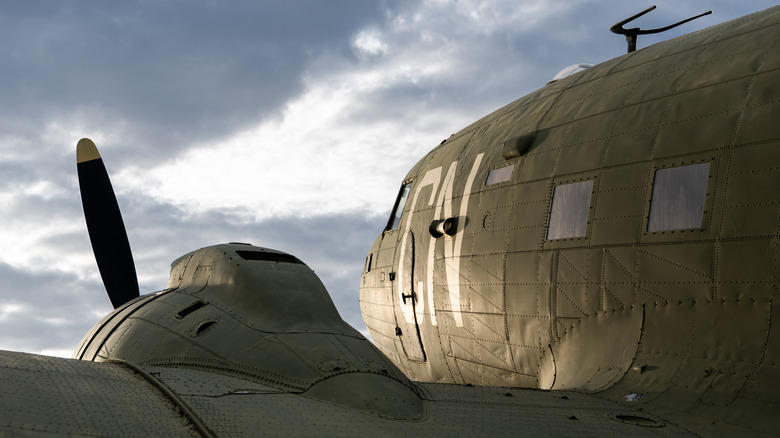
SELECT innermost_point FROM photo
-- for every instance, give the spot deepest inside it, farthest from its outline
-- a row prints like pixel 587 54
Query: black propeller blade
pixel 104 223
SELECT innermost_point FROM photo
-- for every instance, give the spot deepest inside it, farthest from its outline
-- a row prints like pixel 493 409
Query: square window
pixel 678 198
pixel 570 208
pixel 499 175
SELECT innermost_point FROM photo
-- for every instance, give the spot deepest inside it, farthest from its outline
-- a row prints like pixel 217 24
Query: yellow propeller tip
pixel 86 151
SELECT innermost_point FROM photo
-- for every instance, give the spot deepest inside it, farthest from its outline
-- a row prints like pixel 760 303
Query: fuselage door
pixel 406 298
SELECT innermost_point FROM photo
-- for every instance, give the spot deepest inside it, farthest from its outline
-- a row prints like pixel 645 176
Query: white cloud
pixel 369 42
pixel 9 309
pixel 318 157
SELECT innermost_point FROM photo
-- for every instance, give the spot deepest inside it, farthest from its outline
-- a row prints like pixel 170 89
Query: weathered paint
pixel 691 308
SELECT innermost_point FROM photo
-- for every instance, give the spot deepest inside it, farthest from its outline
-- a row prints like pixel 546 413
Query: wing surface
pixel 48 396
pixel 53 396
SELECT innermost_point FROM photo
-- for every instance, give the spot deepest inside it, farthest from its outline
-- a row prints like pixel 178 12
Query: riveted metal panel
pixel 66 397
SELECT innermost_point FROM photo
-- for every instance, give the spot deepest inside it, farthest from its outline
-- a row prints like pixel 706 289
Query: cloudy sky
pixel 286 124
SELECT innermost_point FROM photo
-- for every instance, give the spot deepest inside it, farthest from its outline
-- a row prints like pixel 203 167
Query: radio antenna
pixel 631 34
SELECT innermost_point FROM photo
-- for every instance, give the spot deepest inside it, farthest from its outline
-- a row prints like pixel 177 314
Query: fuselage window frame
pixel 679 198
pixel 502 174
pixel 570 210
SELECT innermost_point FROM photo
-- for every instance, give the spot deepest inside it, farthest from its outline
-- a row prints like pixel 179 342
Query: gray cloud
pixel 44 310
pixel 172 73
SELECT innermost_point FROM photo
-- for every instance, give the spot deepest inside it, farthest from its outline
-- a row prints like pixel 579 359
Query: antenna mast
pixel 631 34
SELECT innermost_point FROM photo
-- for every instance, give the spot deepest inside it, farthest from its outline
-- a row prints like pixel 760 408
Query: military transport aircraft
pixel 598 258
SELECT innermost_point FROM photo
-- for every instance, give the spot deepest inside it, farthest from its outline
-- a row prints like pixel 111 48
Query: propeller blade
pixel 104 223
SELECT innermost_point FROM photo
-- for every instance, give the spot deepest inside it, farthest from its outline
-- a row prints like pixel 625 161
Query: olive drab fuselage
pixel 616 230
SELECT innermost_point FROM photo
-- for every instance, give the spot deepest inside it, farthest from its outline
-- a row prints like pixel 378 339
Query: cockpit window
pixel 400 203
pixel 678 198
pixel 570 208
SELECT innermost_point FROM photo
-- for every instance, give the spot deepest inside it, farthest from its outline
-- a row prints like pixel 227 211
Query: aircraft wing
pixel 46 396
pixel 54 396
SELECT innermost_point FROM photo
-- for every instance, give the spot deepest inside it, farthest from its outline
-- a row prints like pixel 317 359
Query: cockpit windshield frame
pixel 398 208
